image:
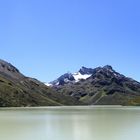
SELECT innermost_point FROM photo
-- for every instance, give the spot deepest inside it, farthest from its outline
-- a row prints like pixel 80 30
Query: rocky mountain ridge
pixel 83 74
pixel 103 86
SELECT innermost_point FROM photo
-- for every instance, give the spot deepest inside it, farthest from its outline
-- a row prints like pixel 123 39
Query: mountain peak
pixel 65 78
pixel 7 66
pixel 9 70
pixel 85 70
pixel 108 67
pixel 84 73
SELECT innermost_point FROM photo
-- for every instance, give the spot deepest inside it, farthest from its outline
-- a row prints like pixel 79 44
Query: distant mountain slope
pixel 99 86
pixel 19 90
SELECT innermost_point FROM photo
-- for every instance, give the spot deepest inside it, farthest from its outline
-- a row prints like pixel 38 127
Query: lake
pixel 70 123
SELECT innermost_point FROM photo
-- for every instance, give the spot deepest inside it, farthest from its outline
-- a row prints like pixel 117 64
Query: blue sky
pixel 46 38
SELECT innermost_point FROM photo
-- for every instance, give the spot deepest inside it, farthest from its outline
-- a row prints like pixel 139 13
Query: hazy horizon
pixel 45 39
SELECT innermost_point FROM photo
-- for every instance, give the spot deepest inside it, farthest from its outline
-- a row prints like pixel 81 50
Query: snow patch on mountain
pixel 48 84
pixel 78 76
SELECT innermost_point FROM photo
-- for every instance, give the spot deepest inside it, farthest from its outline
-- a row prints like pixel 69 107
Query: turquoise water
pixel 70 123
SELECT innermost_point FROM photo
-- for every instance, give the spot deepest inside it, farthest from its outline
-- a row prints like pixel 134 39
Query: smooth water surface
pixel 70 123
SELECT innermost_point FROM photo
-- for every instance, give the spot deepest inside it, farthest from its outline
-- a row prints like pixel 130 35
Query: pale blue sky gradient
pixel 46 38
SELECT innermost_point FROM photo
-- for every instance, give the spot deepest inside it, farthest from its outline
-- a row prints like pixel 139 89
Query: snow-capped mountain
pixel 83 74
pixel 101 86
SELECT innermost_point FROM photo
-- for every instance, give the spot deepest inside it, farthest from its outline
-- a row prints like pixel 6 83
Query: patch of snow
pixel 47 84
pixel 57 84
pixel 66 80
pixel 50 85
pixel 78 76
pixel 115 74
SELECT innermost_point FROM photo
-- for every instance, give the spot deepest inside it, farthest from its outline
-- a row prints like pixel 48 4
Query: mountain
pixel 19 90
pixel 99 86
pixel 83 73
